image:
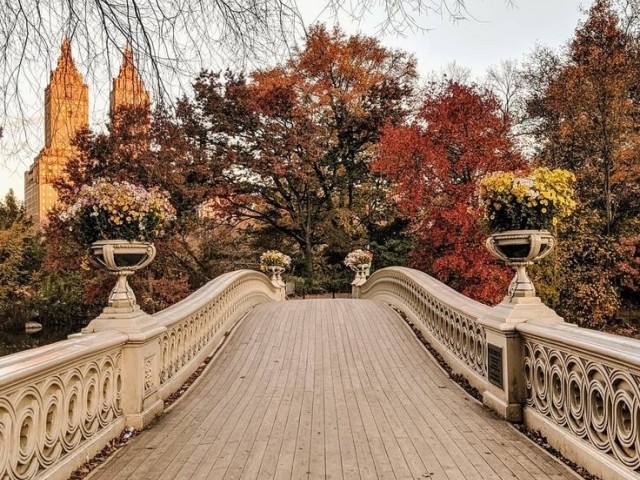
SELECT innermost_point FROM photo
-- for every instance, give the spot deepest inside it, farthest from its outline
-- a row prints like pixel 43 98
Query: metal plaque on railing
pixel 494 364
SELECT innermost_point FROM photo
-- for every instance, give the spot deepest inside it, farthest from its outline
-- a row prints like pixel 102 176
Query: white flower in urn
pixel 357 258
pixel 276 263
pixel 360 262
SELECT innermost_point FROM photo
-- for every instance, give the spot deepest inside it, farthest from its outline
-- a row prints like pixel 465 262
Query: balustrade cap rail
pixel 21 366
pixel 571 337
pixel 443 293
pixel 204 295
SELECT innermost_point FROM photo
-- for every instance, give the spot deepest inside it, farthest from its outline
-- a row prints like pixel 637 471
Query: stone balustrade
pixel 583 393
pixel 578 387
pixel 61 403
pixel 452 323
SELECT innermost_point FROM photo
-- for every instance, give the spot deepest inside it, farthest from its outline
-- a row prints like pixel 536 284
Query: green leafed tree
pixel 21 254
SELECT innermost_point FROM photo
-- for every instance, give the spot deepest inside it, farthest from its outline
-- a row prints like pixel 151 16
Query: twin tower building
pixel 66 111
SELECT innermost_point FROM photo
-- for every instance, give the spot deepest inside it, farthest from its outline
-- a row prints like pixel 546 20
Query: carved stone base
pixel 521 309
pixel 125 321
pixel 512 412
pixel 141 420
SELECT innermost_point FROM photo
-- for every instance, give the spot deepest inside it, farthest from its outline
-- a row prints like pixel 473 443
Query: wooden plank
pixel 328 389
pixel 231 437
pixel 276 436
pixel 317 452
pixel 366 464
pixel 287 453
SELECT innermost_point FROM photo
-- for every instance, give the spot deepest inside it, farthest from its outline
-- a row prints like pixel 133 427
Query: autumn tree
pixel 292 145
pixel 435 162
pixel 148 150
pixel 584 106
pixel 20 258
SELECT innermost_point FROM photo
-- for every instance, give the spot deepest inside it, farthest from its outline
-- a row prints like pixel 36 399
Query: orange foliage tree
pixel 295 141
pixel 435 163
pixel 585 106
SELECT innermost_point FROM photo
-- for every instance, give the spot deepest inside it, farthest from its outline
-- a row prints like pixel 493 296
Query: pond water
pixel 12 342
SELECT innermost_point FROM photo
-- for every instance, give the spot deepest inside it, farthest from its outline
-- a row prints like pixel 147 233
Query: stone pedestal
pixel 521 309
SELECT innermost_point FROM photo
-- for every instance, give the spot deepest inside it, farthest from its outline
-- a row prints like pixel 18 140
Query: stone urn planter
pixel 361 271
pixel 276 275
pixel 359 261
pixel 275 263
pixel 520 248
pixel 122 258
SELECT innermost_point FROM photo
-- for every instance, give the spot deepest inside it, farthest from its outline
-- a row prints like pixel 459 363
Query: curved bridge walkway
pixel 328 389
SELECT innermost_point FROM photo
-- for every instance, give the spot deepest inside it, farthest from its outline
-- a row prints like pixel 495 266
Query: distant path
pixel 328 389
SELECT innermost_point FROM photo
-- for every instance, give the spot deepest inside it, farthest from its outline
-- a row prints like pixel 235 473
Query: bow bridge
pixel 325 389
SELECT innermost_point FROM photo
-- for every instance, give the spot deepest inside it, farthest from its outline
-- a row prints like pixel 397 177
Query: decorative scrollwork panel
pixel 597 402
pixel 46 419
pixel 460 334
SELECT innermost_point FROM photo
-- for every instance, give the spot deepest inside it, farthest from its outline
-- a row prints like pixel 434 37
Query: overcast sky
pixel 499 31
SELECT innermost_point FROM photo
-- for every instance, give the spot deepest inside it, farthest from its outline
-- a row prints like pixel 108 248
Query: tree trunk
pixel 308 257
pixel 607 194
pixel 308 245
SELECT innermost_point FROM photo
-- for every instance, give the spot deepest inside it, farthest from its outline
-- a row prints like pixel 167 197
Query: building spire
pixel 128 88
pixel 127 57
pixel 66 101
pixel 66 111
pixel 66 46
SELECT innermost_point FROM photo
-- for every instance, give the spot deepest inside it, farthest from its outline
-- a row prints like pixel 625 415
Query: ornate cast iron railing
pixel 583 387
pixel 454 324
pixel 60 404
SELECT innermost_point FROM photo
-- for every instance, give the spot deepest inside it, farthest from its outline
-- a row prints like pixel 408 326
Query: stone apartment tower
pixel 128 88
pixel 66 110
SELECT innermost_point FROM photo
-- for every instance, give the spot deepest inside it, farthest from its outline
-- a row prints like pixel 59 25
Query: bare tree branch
pixel 172 40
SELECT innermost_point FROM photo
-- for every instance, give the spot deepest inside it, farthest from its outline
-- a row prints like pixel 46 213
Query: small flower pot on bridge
pixel 276 276
pixel 359 261
pixel 361 274
pixel 275 263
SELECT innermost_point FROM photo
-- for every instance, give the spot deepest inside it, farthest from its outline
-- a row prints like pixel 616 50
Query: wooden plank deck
pixel 328 389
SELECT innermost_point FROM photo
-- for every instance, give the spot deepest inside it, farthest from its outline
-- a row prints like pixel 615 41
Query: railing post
pixel 505 393
pixel 141 360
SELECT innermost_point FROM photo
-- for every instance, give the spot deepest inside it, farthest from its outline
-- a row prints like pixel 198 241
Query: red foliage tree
pixel 457 137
